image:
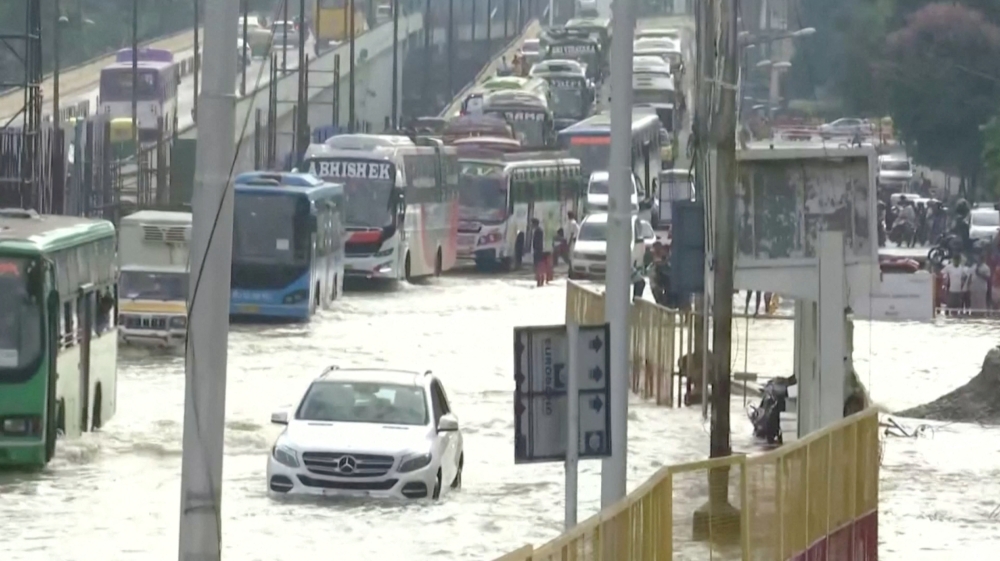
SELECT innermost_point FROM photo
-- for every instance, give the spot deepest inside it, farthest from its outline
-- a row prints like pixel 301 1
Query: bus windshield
pixel 116 84
pixel 592 151
pixel 366 202
pixel 482 192
pixel 271 229
pixel 21 339
pixel 142 285
pixel 568 102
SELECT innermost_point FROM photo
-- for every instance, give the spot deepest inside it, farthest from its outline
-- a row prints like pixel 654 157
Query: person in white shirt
pixel 574 233
pixel 957 278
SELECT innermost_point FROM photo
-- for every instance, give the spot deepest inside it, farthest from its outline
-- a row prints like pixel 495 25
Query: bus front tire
pixel 96 420
pixel 406 268
pixel 438 263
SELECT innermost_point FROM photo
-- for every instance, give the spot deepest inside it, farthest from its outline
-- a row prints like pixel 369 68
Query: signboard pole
pixel 572 422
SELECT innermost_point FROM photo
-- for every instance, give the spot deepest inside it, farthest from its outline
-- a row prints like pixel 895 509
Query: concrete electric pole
pixel 618 295
pixel 208 305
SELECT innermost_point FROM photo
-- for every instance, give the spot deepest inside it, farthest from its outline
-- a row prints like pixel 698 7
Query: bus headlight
pixel 296 297
pixel 179 322
pixel 492 237
pixel 384 252
pixel 22 426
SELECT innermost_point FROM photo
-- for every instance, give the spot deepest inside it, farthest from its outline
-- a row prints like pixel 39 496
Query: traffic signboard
pixel 541 371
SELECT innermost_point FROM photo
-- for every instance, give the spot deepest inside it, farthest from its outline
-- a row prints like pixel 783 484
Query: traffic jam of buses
pixel 519 173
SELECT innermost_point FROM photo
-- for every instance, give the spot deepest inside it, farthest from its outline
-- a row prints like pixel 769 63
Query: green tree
pixel 838 61
pixel 942 78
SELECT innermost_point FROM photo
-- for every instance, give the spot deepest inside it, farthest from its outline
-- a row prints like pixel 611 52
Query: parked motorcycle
pixel 766 417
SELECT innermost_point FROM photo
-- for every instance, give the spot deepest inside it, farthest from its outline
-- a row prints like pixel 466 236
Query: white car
pixel 598 189
pixel 894 170
pixel 368 433
pixel 589 257
pixel 984 223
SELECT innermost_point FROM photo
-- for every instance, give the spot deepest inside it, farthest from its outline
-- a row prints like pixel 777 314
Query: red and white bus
pixel 401 203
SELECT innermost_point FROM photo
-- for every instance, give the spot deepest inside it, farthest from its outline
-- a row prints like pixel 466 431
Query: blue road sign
pixel 541 367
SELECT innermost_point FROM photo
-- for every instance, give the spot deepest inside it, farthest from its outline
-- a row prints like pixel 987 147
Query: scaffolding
pixel 22 161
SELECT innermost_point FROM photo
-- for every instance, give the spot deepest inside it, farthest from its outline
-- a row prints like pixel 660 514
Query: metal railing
pixel 815 496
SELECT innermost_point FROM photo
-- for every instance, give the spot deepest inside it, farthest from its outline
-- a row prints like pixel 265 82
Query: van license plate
pixel 248 308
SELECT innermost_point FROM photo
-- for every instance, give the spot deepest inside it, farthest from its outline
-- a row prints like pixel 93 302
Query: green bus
pixel 58 332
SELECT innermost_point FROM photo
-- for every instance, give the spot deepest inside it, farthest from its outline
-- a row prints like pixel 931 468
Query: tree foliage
pixel 942 78
pixel 991 158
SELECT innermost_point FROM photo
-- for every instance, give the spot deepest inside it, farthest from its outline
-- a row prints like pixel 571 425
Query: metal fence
pixel 816 498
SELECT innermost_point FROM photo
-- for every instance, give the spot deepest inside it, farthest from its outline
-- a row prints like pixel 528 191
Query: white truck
pixel 153 250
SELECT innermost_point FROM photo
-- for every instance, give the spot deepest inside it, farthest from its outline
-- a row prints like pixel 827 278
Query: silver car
pixel 984 223
pixel 283 29
pixel 846 127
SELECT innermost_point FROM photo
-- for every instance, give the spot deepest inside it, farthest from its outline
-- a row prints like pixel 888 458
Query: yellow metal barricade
pixel 655 335
pixel 815 495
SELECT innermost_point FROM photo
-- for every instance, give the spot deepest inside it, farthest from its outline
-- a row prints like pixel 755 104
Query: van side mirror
pixel 279 418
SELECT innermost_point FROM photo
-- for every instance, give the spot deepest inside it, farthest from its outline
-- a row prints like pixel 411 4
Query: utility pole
pixel 208 322
pixel 246 46
pixel 617 296
pixel 197 57
pixel 395 64
pixel 284 36
pixel 489 25
pixel 56 32
pixel 451 47
pixel 718 520
pixel 135 76
pixel 473 19
pixel 350 69
pixel 302 114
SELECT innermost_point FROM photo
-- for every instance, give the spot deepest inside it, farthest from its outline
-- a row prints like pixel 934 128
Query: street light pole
pixel 135 75
pixel 395 64
pixel 197 58
pixel 56 121
pixel 208 323
pixel 284 36
pixel 246 47
pixel 350 69
pixel 617 295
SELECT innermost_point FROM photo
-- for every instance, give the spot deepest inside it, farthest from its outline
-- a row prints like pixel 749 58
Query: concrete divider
pixel 530 31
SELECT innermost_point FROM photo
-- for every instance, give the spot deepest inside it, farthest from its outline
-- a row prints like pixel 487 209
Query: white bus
pixel 157 81
pixel 153 250
pixel 499 198
pixel 400 203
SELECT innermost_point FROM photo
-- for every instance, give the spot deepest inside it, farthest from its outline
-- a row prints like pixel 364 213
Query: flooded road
pixel 115 495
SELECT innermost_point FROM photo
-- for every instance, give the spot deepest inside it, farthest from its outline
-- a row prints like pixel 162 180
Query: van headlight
pixel 285 455
pixel 179 322
pixel 414 462
pixel 384 252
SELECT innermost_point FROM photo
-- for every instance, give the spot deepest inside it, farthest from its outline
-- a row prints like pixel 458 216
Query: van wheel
pixel 438 263
pixel 406 268
pixel 319 298
pixel 334 294
pixel 519 251
pixel 96 421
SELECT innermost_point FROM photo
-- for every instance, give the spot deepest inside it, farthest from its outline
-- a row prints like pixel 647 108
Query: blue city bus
pixel 288 246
